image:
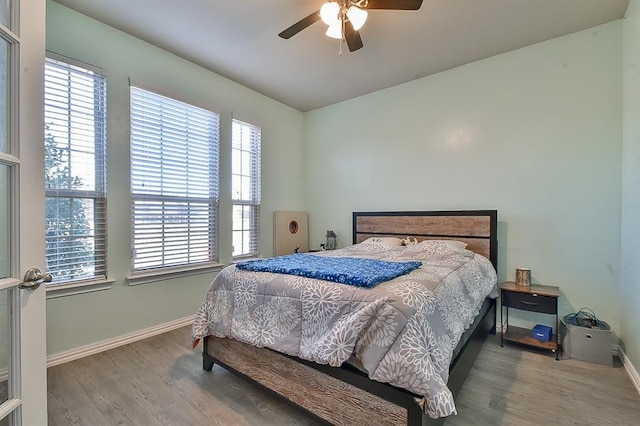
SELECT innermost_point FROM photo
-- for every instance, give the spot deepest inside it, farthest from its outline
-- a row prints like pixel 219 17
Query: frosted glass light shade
pixel 329 12
pixel 335 30
pixel 357 17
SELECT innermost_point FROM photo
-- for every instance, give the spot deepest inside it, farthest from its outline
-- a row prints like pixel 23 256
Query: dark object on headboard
pixel 477 228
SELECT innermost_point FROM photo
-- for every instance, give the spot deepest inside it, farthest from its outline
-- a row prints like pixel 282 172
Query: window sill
pixel 145 277
pixel 245 258
pixel 77 287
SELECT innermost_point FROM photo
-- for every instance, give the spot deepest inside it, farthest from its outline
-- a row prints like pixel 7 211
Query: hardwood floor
pixel 160 381
pixel 514 386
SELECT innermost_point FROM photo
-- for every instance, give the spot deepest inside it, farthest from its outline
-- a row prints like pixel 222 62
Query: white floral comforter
pixel 402 331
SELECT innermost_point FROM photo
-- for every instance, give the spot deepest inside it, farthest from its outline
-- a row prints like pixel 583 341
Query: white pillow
pixel 383 241
pixel 454 243
pixel 451 243
pixel 437 247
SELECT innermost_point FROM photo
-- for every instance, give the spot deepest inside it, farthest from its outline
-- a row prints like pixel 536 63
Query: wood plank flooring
pixel 519 387
pixel 160 381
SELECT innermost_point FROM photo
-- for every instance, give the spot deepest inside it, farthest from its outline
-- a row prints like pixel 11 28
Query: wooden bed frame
pixel 345 395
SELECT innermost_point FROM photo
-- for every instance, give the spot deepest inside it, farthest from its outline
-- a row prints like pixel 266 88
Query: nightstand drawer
pixel 530 302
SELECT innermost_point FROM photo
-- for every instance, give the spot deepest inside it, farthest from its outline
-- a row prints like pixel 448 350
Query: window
pixel 75 167
pixel 245 188
pixel 174 182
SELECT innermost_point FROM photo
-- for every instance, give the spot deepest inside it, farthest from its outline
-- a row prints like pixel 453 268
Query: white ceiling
pixel 238 39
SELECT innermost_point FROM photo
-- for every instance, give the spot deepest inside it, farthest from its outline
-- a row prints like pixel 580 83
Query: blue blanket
pixel 346 270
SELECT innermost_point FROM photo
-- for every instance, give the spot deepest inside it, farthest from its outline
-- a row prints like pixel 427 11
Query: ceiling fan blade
pixel 300 25
pixel 354 41
pixel 394 4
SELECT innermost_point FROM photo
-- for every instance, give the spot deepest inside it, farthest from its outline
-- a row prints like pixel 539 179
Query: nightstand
pixel 541 299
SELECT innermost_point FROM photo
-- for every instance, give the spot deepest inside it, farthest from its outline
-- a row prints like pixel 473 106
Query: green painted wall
pixel 78 320
pixel 630 266
pixel 534 133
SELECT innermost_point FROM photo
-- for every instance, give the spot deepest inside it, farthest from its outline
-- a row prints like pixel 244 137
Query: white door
pixel 23 395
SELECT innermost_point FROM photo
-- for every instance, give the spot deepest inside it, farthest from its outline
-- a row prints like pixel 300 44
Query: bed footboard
pixel 341 396
pixel 327 397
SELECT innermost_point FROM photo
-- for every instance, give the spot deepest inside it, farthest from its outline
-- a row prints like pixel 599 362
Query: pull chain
pixel 342 38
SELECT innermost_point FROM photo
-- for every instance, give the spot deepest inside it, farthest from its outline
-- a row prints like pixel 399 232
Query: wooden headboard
pixel 477 228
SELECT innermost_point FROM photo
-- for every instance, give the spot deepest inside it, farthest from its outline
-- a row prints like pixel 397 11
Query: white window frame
pixel 97 193
pixel 246 181
pixel 153 198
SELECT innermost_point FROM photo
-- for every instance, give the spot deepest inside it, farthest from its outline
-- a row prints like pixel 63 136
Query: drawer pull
pixel 528 303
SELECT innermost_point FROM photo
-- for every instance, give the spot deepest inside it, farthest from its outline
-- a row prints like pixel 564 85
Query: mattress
pixel 402 331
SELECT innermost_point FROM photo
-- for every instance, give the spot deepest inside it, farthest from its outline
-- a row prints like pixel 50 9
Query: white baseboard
pixel 630 369
pixel 105 345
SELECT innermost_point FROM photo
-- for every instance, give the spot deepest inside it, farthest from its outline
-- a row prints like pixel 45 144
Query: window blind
pixel 174 182
pixel 75 170
pixel 245 187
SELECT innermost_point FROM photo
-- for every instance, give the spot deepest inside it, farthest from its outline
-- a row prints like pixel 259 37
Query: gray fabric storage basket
pixel 586 344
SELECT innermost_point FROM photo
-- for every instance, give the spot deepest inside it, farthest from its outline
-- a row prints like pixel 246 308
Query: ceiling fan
pixel 346 17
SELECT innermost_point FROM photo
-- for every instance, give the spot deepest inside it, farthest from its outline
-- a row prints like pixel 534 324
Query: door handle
pixel 33 278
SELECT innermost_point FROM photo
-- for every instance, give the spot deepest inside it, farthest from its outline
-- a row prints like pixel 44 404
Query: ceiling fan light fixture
pixel 329 13
pixel 346 17
pixel 335 30
pixel 357 17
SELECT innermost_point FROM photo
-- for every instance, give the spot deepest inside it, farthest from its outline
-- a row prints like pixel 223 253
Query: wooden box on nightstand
pixel 541 299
